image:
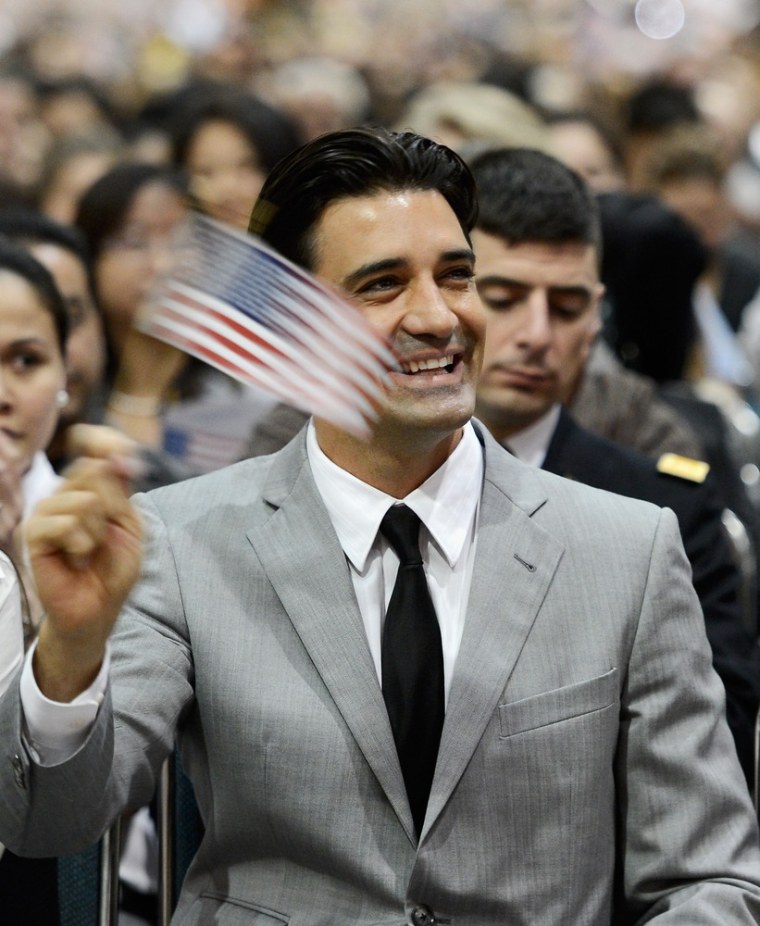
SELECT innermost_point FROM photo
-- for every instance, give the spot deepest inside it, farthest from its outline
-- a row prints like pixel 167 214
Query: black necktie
pixel 412 662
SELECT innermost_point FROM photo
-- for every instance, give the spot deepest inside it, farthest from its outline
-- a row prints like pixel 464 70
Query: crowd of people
pixel 615 252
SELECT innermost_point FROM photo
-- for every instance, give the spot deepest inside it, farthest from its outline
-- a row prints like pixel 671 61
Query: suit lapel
pixel 303 560
pixel 515 563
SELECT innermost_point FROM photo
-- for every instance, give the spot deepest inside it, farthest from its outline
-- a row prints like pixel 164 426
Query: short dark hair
pixel 526 195
pixel 351 163
pixel 16 260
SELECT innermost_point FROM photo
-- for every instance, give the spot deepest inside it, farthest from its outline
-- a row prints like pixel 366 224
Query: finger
pixel 99 441
pixel 92 491
pixel 64 534
pixel 84 512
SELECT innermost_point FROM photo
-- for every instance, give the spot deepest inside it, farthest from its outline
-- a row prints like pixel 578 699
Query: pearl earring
pixel 62 398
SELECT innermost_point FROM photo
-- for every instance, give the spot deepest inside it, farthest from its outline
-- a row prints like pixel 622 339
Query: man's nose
pixel 429 312
pixel 536 330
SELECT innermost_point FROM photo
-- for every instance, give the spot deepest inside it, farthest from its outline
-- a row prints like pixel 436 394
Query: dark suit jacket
pixel 585 457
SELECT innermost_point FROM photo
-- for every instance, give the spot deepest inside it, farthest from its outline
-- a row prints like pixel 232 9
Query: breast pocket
pixel 227 911
pixel 558 705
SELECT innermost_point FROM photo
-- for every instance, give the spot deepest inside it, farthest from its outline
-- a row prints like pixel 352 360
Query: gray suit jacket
pixel 585 775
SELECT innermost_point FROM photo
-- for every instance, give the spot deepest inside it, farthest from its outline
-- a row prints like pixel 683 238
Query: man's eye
pixel 464 273
pixel 500 298
pixel 570 308
pixel 379 285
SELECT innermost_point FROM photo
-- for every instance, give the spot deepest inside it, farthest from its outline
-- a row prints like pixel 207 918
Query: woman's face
pixel 32 368
pixel 225 173
pixel 136 254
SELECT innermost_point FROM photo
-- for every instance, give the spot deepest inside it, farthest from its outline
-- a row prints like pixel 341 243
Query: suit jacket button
pixel 422 916
pixel 18 772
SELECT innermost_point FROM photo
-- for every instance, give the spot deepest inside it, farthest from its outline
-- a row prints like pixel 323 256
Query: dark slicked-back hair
pixel 529 196
pixel 351 163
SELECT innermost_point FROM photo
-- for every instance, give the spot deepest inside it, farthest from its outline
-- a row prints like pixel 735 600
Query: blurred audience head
pixel 467 115
pixel 24 140
pixel 129 218
pixel 75 106
pixel 33 331
pixel 73 164
pixel 227 141
pixel 653 109
pixel 652 259
pixel 321 94
pixel 687 171
pixel 582 142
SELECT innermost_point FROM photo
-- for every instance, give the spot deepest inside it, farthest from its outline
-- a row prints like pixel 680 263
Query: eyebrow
pixel 396 263
pixel 495 280
pixel 31 341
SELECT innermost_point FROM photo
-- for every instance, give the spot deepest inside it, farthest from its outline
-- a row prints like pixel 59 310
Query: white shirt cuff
pixel 55 730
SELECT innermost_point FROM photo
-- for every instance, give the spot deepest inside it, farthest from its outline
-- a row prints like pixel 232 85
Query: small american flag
pixel 238 305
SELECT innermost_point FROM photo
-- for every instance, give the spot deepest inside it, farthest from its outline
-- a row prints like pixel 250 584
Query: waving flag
pixel 241 307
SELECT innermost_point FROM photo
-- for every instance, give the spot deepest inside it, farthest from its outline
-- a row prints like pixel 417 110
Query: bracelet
pixel 139 406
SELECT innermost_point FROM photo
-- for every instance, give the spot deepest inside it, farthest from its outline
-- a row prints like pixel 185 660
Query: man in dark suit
pixel 537 245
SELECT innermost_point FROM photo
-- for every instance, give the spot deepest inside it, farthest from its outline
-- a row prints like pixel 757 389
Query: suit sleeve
pixel 63 808
pixel 687 831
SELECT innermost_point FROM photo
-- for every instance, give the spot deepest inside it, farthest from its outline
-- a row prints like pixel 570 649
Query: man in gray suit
pixel 584 775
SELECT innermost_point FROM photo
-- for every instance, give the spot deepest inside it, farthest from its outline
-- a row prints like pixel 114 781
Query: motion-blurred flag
pixel 238 305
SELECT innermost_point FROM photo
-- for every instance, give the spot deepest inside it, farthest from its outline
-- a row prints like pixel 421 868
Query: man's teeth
pixel 415 366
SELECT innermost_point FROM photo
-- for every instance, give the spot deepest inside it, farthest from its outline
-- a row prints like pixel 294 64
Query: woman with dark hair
pixel 227 141
pixel 33 331
pixel 155 393
pixel 129 218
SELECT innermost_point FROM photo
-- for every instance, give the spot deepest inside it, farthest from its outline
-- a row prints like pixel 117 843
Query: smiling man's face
pixel 403 259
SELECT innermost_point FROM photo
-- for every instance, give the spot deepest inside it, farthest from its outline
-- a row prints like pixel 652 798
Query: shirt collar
pixel 531 444
pixel 446 502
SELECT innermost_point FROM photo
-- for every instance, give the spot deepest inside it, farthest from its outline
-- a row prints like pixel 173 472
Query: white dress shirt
pixel 446 503
pixel 531 444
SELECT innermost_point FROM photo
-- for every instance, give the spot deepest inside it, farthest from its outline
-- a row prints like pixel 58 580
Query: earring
pixel 62 398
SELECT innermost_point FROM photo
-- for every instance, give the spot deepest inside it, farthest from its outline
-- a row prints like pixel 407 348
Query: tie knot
pixel 401 528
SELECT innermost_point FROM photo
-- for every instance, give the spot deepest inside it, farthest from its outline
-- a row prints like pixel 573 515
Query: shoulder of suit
pixel 680 467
